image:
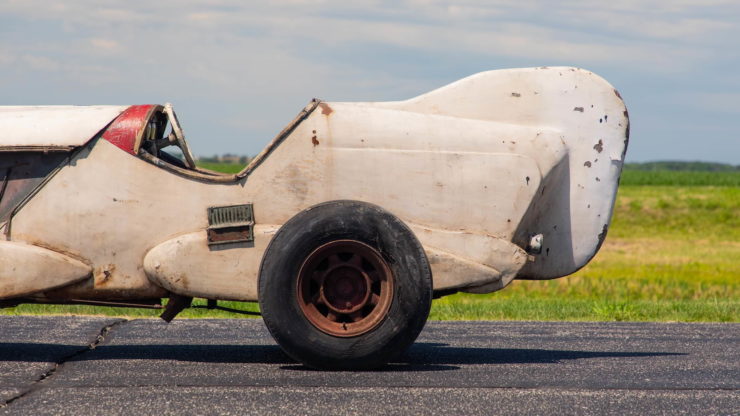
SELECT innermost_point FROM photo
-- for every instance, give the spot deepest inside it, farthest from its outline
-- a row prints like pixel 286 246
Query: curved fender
pixel 26 269
pixel 469 262
pixel 188 266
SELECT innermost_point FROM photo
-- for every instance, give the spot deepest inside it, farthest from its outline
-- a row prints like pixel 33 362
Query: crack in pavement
pixel 36 384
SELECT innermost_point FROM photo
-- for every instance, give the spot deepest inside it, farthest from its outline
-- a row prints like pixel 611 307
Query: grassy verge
pixel 222 167
pixel 630 279
pixel 680 178
pixel 671 255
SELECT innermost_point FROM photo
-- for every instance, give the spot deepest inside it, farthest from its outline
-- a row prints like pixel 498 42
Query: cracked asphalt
pixel 85 365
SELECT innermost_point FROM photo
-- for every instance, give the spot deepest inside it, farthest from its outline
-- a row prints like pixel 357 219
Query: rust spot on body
pixel 599 147
pixel 184 280
pixel 325 109
pixel 315 141
pixel 103 274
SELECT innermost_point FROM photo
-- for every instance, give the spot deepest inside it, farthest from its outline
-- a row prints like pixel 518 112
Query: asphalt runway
pixel 85 365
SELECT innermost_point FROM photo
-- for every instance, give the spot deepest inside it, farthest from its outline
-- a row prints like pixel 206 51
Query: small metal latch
pixel 230 224
pixel 535 244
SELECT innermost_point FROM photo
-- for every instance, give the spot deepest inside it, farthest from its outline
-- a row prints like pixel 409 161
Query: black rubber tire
pixel 343 220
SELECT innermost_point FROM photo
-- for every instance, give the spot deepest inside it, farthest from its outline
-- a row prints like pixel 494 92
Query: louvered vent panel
pixel 230 224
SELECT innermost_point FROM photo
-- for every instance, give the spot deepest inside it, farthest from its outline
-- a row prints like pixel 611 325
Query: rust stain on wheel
pixel 345 288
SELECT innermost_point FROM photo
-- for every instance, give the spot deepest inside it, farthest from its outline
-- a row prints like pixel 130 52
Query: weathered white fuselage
pixel 475 169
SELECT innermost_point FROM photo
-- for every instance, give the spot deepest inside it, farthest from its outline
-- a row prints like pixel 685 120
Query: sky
pixel 237 72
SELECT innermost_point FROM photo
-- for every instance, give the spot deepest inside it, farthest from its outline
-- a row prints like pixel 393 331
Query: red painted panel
pixel 126 127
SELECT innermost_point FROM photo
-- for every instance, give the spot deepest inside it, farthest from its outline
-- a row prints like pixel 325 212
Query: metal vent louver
pixel 230 224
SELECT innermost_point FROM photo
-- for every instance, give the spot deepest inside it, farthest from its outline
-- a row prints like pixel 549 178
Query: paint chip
pixel 599 147
pixel 325 109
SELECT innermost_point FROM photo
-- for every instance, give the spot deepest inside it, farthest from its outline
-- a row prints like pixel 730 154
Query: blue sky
pixel 237 72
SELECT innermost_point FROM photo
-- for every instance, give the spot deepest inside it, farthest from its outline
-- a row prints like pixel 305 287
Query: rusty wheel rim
pixel 345 288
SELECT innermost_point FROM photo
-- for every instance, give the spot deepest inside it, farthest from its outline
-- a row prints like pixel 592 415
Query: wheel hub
pixel 345 288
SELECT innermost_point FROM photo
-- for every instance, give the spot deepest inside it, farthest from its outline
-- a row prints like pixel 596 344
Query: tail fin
pixel 574 204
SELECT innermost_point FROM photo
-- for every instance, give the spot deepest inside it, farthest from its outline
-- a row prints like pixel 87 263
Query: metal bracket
pixel 175 305
pixel 230 224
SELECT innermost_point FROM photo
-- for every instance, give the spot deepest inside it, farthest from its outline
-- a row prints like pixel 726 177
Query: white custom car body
pixel 502 175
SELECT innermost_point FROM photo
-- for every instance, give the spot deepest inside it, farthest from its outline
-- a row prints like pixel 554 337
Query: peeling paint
pixel 103 274
pixel 314 140
pixel 325 109
pixel 599 147
pixel 627 130
pixel 579 109
pixel 602 235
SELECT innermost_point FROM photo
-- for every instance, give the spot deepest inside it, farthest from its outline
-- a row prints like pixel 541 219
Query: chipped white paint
pixel 52 127
pixel 476 168
pixel 26 269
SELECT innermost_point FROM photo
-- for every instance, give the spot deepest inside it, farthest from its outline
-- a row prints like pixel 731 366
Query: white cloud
pixel 508 28
pixel 103 44
pixel 257 58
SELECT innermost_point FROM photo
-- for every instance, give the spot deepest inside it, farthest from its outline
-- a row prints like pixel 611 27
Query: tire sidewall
pixel 344 220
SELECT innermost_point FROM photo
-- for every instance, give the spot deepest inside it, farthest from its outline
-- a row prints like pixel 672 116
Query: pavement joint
pixel 37 384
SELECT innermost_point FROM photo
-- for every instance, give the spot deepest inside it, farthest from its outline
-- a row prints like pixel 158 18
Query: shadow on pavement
pixel 435 357
pixel 267 354
pixel 436 353
pixel 420 357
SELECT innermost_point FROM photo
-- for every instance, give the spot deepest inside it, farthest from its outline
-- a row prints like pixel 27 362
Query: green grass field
pixel 680 178
pixel 221 167
pixel 672 254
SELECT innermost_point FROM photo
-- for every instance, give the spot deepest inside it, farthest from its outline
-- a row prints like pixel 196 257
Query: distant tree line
pixel 226 158
pixel 682 166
